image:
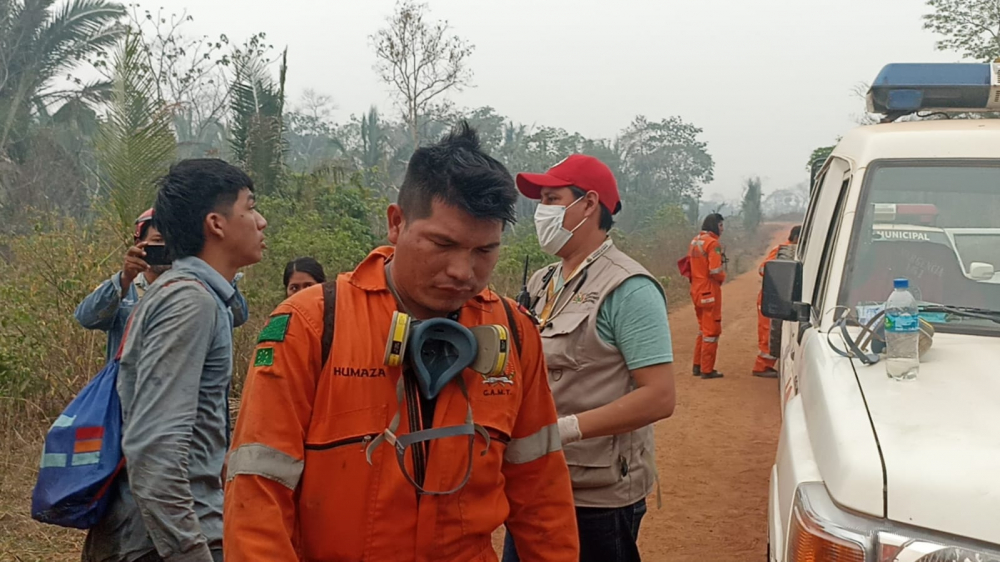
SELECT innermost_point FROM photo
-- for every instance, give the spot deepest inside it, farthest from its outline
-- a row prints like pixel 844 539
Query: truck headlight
pixel 822 532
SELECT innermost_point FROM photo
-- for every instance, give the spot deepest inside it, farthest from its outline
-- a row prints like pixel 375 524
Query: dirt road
pixel 715 454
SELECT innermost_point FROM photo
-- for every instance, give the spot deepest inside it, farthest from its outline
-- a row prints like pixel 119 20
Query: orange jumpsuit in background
pixel 707 276
pixel 765 360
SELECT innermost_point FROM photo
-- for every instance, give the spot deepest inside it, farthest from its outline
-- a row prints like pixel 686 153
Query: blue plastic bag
pixel 82 456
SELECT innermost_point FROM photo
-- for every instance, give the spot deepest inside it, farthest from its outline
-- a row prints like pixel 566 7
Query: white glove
pixel 569 430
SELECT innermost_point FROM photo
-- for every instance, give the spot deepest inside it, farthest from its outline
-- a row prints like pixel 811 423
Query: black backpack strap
pixel 512 323
pixel 329 316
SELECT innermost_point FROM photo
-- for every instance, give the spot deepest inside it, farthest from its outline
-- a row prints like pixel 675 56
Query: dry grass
pixel 21 538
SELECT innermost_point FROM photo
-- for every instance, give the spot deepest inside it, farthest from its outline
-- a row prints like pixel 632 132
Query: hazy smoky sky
pixel 767 80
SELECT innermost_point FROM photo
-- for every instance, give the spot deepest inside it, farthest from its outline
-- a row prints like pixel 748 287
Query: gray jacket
pixel 107 308
pixel 174 382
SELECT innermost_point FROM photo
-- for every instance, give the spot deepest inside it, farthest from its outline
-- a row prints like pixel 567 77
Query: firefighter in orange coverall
pixel 764 366
pixel 707 275
pixel 318 470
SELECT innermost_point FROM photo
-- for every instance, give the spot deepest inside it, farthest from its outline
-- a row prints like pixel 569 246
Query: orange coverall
pixel 707 276
pixel 300 488
pixel 765 360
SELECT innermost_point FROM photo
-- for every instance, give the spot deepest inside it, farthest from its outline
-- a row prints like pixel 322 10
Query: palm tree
pixel 257 124
pixel 374 151
pixel 372 139
pixel 39 43
pixel 135 143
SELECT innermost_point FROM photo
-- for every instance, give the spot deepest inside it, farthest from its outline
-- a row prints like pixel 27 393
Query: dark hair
pixel 794 234
pixel 457 172
pixel 191 190
pixel 307 265
pixel 607 221
pixel 144 230
pixel 712 222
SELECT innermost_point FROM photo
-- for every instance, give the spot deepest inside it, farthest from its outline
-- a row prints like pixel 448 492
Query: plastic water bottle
pixel 902 333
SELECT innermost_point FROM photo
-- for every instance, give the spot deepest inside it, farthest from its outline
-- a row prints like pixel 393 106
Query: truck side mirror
pixel 782 290
pixel 981 271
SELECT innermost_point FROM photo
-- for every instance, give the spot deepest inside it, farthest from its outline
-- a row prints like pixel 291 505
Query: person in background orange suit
pixel 707 275
pixel 764 366
pixel 319 470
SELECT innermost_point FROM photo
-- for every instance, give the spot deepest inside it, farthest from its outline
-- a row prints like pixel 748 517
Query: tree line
pixel 98 99
pixel 80 148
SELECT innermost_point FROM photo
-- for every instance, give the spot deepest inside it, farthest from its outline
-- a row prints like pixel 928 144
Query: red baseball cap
pixel 142 223
pixel 577 170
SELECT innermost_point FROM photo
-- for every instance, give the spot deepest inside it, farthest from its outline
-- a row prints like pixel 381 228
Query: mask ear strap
pixel 566 208
pixel 577 227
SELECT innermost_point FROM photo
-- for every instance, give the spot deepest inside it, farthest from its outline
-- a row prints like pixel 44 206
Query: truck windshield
pixel 934 223
pixel 973 247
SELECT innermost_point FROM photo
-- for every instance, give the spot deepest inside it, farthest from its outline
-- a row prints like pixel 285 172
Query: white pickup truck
pixel 869 469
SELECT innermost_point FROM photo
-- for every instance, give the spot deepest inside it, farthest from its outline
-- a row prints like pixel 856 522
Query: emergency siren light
pixel 904 88
pixel 913 213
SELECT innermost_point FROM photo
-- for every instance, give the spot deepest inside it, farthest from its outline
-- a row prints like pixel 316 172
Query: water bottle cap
pixel 901 283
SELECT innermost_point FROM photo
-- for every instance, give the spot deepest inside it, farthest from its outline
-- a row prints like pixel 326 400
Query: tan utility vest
pixel 586 373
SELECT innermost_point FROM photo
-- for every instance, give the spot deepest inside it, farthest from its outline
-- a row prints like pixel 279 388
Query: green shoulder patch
pixel 718 250
pixel 264 357
pixel 277 327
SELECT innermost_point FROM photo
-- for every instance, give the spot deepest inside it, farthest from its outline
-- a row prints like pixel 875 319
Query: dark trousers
pixel 154 557
pixel 606 535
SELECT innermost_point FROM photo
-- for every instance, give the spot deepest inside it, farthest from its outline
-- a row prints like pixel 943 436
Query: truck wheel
pixel 785 252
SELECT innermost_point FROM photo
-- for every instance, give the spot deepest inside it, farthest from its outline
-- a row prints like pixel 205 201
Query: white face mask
pixel 549 226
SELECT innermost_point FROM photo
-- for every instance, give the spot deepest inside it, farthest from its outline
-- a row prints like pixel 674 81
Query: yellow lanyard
pixel 552 296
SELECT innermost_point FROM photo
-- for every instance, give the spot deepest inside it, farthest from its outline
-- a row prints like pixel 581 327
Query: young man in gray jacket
pixel 175 374
pixel 108 307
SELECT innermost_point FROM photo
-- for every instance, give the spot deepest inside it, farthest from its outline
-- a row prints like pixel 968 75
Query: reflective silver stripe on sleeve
pixel 715 271
pixel 710 340
pixel 258 459
pixel 533 447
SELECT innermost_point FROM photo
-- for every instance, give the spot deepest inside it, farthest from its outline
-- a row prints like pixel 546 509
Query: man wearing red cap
pixel 603 321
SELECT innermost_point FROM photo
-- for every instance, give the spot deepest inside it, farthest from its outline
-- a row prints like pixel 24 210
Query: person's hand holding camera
pixel 133 265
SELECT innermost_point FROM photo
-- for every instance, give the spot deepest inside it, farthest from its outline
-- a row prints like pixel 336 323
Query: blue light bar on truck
pixel 905 88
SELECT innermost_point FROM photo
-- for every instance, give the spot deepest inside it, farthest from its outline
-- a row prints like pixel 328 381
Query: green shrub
pixel 519 242
pixel 45 274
